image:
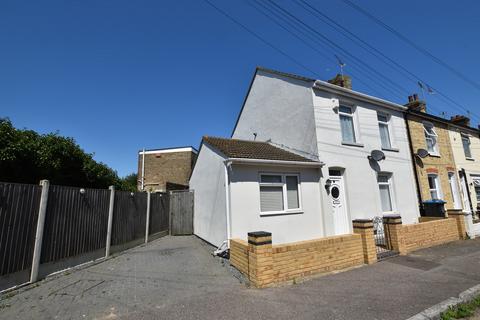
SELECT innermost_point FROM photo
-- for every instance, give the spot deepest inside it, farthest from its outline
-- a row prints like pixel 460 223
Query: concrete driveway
pixel 177 278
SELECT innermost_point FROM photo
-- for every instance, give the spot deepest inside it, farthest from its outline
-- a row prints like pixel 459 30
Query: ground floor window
pixel 434 186
pixel 385 188
pixel 279 192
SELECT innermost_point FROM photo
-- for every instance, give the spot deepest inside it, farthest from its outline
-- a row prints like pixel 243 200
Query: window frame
pixel 354 124
pixel 467 137
pixel 389 131
pixel 389 183
pixel 438 186
pixel 282 184
pixel 433 135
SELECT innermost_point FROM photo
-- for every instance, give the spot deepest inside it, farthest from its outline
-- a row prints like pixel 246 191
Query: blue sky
pixel 122 75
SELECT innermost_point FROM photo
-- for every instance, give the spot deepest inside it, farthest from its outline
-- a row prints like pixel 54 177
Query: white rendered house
pixel 340 128
pixel 242 186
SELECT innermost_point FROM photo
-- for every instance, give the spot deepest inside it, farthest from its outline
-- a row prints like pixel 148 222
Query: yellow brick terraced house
pixel 436 172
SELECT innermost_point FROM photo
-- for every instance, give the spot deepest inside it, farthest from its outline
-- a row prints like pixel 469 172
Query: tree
pixel 28 157
pixel 130 182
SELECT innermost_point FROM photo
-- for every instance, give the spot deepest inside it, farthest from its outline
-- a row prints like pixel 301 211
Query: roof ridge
pixel 243 140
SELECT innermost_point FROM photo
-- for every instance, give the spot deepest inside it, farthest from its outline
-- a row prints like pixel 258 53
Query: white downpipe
pixel 143 169
pixel 227 203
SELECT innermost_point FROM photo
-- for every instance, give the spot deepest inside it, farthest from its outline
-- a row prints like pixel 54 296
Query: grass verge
pixel 462 310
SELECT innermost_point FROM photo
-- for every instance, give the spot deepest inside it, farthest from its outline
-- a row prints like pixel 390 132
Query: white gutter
pixel 227 202
pixel 322 85
pixel 313 164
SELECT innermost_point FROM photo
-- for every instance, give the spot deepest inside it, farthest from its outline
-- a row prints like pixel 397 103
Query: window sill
pixel 435 155
pixel 391 149
pixel 353 144
pixel 280 213
pixel 470 159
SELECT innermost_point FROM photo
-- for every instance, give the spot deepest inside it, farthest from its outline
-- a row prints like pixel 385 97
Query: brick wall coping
pixel 259 234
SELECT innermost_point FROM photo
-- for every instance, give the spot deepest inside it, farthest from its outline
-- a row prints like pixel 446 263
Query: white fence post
pixel 148 217
pixel 110 221
pixel 42 211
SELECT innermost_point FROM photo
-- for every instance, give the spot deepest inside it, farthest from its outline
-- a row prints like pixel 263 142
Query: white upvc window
pixel 434 186
pixel 384 127
pixel 386 195
pixel 466 146
pixel 279 193
pixel 431 138
pixel 347 124
pixel 476 185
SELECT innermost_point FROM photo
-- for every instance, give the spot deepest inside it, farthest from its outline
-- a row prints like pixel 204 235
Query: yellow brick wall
pixel 239 255
pixel 444 163
pixel 410 237
pixel 287 262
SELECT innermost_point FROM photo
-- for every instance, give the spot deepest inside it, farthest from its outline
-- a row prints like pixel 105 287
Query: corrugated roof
pixel 246 149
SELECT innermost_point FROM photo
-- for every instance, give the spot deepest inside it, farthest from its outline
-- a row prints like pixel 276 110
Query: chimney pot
pixel 460 120
pixel 415 104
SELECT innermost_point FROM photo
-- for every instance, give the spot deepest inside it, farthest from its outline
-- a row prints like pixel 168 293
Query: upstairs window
pixel 383 125
pixel 431 138
pixel 279 193
pixel 466 146
pixel 347 124
pixel 385 188
pixel 434 186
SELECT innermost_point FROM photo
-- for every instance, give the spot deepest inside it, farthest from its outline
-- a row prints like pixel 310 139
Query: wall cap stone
pixel 259 234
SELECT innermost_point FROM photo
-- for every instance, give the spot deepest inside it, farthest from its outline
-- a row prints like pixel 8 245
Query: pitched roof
pixel 246 149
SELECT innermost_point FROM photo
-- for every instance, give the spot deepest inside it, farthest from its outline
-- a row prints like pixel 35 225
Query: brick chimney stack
pixel 416 104
pixel 342 81
pixel 461 120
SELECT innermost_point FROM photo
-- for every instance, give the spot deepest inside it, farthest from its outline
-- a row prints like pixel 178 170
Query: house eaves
pixel 325 86
pixel 310 164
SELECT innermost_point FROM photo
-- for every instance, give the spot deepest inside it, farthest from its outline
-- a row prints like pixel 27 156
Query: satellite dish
pixel 376 155
pixel 422 153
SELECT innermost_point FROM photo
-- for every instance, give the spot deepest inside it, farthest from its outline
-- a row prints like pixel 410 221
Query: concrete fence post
pixel 42 212
pixel 110 221
pixel 147 224
pixel 364 227
pixel 260 258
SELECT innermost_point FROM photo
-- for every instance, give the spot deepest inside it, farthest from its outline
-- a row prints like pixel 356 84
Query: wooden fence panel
pixel 75 222
pixel 158 213
pixel 181 212
pixel 129 217
pixel 18 222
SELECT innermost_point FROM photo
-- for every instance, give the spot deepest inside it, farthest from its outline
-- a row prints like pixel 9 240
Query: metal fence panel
pixel 158 212
pixel 75 222
pixel 18 221
pixel 181 212
pixel 129 217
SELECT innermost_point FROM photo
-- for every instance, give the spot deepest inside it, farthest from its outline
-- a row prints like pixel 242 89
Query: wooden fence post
pixel 42 211
pixel 110 221
pixel 148 217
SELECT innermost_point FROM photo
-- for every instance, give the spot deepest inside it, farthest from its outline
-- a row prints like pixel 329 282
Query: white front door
pixel 452 179
pixel 466 202
pixel 337 199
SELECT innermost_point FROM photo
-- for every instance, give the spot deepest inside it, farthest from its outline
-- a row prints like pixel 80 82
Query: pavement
pixel 177 278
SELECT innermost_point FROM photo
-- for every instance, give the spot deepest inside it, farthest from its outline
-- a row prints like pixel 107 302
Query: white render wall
pixel 280 109
pixel 472 167
pixel 245 205
pixel 363 198
pixel 208 183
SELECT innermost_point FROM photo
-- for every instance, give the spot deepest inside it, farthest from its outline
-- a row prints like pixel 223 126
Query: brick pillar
pixel 459 217
pixel 365 229
pixel 393 233
pixel 260 258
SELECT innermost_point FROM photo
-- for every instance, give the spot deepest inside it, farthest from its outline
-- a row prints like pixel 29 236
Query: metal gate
pixel 181 213
pixel 381 242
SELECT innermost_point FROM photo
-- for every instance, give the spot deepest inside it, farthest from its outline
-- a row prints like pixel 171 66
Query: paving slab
pixel 177 278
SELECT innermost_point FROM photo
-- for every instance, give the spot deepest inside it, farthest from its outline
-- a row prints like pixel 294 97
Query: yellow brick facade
pixel 441 165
